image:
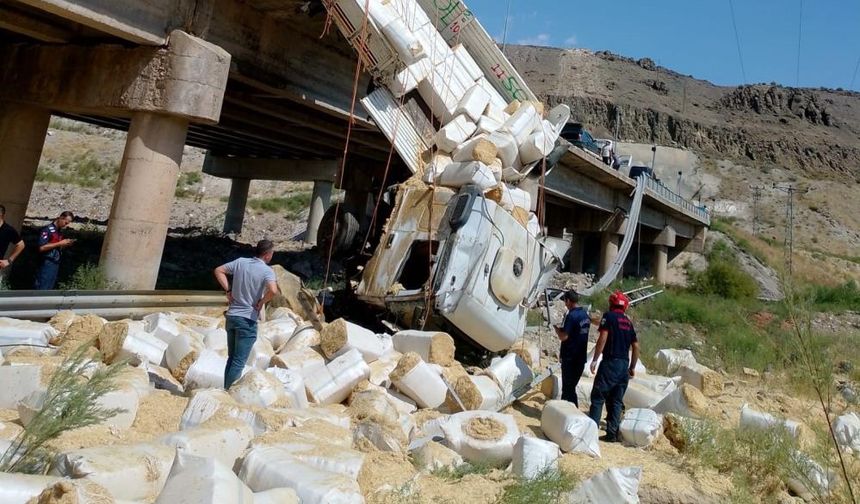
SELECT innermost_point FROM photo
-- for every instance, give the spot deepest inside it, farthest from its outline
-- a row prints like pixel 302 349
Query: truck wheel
pixel 343 234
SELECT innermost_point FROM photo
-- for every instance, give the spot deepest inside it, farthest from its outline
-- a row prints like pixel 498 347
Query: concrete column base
pixel 22 136
pixel 609 244
pixel 660 266
pixel 235 216
pixel 320 201
pixel 139 217
pixel 577 253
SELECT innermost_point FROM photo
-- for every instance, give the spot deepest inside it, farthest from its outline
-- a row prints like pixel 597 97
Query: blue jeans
pixel 46 276
pixel 610 384
pixel 241 335
pixel 571 372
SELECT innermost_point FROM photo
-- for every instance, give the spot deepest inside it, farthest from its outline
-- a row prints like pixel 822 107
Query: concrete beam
pixel 15 21
pixel 666 237
pixel 22 136
pixel 660 265
pixel 296 170
pixel 186 79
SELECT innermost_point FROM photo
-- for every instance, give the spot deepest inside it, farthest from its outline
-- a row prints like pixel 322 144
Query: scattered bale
pixel 341 336
pixel 482 437
pixel 127 339
pixel 433 346
pixel 703 378
pixel 418 381
pixel 686 400
pixel 533 457
pixel 79 491
pixel 573 431
pixel 432 456
pixel 475 393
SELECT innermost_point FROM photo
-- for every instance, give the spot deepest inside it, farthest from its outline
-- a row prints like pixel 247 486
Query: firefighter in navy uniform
pixel 51 244
pixel 617 337
pixel 573 354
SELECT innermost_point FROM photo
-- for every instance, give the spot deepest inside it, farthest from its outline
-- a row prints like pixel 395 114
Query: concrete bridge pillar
pixel 143 197
pixel 22 135
pixel 609 244
pixel 235 216
pixel 320 201
pixel 660 265
pixel 577 253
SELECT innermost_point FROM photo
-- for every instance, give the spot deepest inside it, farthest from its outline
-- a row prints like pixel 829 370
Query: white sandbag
pixel 380 370
pixel 496 111
pixel 615 485
pixel 378 420
pixel 407 45
pixel 181 353
pixel 258 389
pixel 20 488
pixel 294 387
pixel 333 383
pixel 686 401
pixel 206 372
pixel 432 456
pixel 206 404
pixel 640 427
pixel 667 362
pixel 277 496
pixel 703 378
pixel 847 430
pixel 487 125
pixel 454 133
pixel 304 336
pixel 340 337
pixel 25 332
pixel 160 378
pixel 511 373
pixel 515 197
pixel 214 338
pixel 434 347
pixel 19 382
pixel 135 472
pixel 752 419
pixel 473 103
pixel 416 380
pixel 508 148
pixel 533 456
pixel 640 396
pixel 536 147
pixel 482 437
pixel 583 391
pixel 199 480
pixel 129 340
pixel 382 13
pixel 573 430
pixel 496 169
pixel 277 332
pixel 470 173
pixel 522 123
pixel 306 360
pixel 224 443
pixel 269 467
pixel 528 350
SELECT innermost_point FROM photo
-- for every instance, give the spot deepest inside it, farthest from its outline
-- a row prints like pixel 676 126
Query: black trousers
pixel 571 372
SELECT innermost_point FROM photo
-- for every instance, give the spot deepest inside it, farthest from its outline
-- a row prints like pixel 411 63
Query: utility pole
pixel 756 197
pixel 788 243
pixel 617 123
pixel 654 159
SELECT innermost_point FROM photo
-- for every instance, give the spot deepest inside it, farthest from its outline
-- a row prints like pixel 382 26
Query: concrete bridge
pixel 266 88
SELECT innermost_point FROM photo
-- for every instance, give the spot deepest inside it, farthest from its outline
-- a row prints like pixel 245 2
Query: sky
pixel 696 37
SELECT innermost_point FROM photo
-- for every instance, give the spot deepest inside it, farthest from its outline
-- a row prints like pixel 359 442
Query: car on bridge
pixel 576 134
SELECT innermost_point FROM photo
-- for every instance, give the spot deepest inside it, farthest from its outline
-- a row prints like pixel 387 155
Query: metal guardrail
pixel 663 192
pixel 42 305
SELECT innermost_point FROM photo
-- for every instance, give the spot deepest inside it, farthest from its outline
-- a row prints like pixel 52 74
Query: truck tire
pixel 343 235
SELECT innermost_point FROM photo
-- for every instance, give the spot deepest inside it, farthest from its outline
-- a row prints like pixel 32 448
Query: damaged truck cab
pixel 459 261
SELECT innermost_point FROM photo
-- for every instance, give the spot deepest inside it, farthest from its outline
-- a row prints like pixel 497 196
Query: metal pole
pixel 653 157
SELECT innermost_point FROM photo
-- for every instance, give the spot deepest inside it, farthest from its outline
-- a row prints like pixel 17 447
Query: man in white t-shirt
pixel 606 153
pixel 254 285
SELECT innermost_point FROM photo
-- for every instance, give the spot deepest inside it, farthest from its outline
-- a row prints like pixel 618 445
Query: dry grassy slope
pixel 811 132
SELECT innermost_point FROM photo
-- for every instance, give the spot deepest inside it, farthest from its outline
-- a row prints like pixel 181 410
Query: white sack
pixel 304 361
pixel 753 419
pixel 423 386
pixel 24 332
pixel 407 45
pixel 469 173
pixel 181 352
pixel 668 361
pixel 511 373
pixel 678 402
pixel 522 123
pixel 432 456
pixel 640 396
pixel 508 150
pixel 305 336
pixel 18 383
pixel 847 430
pixel 473 103
pixel 333 383
pixel 407 80
pixel 199 480
pixel 206 372
pixel 294 387
pixel 455 133
pixel 703 378
pixel 487 125
pixel 573 430
pixel 640 427
pixel 422 343
pixel 583 391
pixel 277 332
pixel 224 443
pixel 380 370
pixel 214 338
pixel 258 389
pixel 205 404
pixel 20 488
pixel 369 344
pixel 616 485
pixel 437 165
pixel 277 496
pixel 472 69
pixel 533 456
pixel 261 354
pixel 496 452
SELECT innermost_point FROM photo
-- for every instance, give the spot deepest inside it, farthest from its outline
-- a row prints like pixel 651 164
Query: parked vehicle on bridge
pixel 636 171
pixel 576 134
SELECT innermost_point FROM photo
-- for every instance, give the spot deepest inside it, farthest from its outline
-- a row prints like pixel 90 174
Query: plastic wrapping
pixel 640 396
pixel 433 347
pixel 752 419
pixel 333 383
pixel 703 378
pixel 487 125
pixel 261 354
pixel 573 430
pixel 206 372
pixel 454 133
pixel 293 382
pixel 464 434
pixel 471 173
pixel 686 401
pixel 259 389
pixel 18 383
pixel 533 456
pixel 406 43
pixel 340 336
pixel 206 404
pixel 305 336
pixel 198 480
pixel 306 361
pixel 407 80
pixel 432 456
pixel 473 103
pixel 380 370
pixel 277 332
pixel 129 340
pixel 224 443
pixel 510 373
pixel 668 361
pixel 508 150
pixel 20 488
pixel 847 430
pixel 422 385
pixel 181 352
pixel 477 148
pixel 615 485
pixel 522 123
pixel 640 427
pixel 277 496
pixel 24 332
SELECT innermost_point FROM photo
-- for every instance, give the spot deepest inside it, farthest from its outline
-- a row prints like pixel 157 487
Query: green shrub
pixel 84 170
pixel 89 277
pixel 461 471
pixel 292 205
pixel 842 297
pixel 548 487
pixel 723 277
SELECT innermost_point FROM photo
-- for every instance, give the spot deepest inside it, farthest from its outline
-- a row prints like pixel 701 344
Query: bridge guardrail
pixel 667 194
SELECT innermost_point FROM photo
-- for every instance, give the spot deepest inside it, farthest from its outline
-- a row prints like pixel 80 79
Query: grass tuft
pixel 547 488
pixel 461 471
pixel 293 205
pixel 89 277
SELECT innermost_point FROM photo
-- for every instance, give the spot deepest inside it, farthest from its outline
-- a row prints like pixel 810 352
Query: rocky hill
pixel 813 132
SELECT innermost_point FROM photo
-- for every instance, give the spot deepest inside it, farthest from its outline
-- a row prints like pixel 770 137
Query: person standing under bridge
pixel 617 337
pixel 573 354
pixel 8 237
pixel 51 245
pixel 254 285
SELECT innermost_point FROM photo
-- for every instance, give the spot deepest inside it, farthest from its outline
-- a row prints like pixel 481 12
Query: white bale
pixel 20 488
pixel 135 472
pixel 380 370
pixel 24 332
pixel 515 197
pixel 434 347
pixel 668 361
pixel 533 456
pixel 469 173
pixel 333 383
pixel 660 384
pixel 421 384
pixel 533 226
pixel 199 480
pixel 487 125
pixel 640 427
pixel 214 338
pixel 437 165
pixel 407 80
pixel 194 321
pixel 277 496
pixel 76 491
pixel 432 456
pixel 468 63
pixel 479 393
pixel 269 467
pixel 511 373
pixel 305 336
pixel 412 13
pixel 583 391
pixel 130 341
pixel 752 419
pixel 615 485
pixel 306 361
pixel 473 103
pixel 261 355
pixel 181 353
pixel 258 389
pixel 686 401
pixel 496 112
pixel 436 48
pixel 496 99
pixel 562 422
pixel 536 147
pixel 162 326
pixel 440 95
pixel 703 378
pixel 162 379
pixel 847 430
pixel 496 168
pixel 206 404
pixel 293 382
pixel 277 332
pixel 225 443
pixel 815 479
pixel 341 336
pixel 206 372
pixel 18 383
pixel 454 133
pixel 406 43
pixel 640 367
pixel 465 152
pixel 382 13
pixel 640 396
pixel 508 148
pixel 483 437
pixel 522 123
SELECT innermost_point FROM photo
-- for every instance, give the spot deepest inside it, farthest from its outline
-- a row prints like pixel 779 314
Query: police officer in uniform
pixel 573 335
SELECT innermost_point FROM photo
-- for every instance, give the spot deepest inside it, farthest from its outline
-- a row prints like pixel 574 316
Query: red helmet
pixel 619 299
